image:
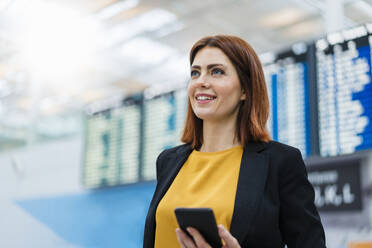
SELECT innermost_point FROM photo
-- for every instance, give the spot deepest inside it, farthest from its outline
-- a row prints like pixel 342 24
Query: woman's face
pixel 214 90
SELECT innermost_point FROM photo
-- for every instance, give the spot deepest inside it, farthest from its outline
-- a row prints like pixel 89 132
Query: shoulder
pixel 173 152
pixel 170 156
pixel 278 151
pixel 277 148
pixel 284 157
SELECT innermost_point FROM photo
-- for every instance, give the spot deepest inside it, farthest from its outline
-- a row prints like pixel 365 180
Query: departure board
pixel 344 91
pixel 163 122
pixel 287 84
pixel 112 145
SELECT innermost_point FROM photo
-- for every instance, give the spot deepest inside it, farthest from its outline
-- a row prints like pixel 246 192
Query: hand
pixel 186 242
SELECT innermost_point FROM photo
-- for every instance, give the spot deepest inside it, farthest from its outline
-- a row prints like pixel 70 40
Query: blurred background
pixel 91 91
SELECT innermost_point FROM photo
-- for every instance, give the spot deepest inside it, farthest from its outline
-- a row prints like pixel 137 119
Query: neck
pixel 219 135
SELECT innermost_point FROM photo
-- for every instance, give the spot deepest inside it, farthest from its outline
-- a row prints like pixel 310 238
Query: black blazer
pixel 274 202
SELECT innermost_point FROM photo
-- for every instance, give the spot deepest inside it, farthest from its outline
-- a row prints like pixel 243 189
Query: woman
pixel 257 188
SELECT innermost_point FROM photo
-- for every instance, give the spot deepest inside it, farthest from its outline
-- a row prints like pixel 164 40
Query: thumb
pixel 230 241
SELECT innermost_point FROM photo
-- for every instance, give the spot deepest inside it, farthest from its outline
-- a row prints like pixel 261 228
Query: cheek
pixel 226 91
pixel 190 90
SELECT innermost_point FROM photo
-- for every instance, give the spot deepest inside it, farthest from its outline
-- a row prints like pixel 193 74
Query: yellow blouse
pixel 207 179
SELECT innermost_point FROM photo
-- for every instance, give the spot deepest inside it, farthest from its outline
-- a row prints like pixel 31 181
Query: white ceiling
pixel 56 56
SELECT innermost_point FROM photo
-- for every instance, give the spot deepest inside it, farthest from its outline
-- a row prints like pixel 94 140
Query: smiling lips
pixel 204 98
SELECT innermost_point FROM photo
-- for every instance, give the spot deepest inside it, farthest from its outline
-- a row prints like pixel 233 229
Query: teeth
pixel 204 98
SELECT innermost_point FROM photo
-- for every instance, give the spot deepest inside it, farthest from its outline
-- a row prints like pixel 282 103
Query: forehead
pixel 211 55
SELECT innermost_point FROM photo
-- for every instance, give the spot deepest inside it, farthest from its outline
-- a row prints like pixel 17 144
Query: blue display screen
pixel 287 83
pixel 344 96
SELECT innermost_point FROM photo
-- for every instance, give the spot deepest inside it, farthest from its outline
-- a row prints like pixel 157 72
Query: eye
pixel 194 73
pixel 217 71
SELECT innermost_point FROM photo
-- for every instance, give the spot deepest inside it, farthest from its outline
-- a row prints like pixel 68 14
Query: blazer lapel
pixel 173 165
pixel 251 184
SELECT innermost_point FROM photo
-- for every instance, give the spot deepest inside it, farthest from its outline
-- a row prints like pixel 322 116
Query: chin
pixel 204 116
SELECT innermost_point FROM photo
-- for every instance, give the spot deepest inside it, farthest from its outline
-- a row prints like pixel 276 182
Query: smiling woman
pixel 258 189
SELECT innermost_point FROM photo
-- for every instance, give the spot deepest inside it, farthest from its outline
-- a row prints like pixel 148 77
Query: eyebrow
pixel 208 66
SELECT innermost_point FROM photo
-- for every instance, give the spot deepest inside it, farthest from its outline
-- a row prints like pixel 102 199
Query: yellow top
pixel 207 179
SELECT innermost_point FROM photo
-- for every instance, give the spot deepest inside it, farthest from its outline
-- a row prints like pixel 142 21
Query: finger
pixel 179 239
pixel 184 240
pixel 230 241
pixel 199 240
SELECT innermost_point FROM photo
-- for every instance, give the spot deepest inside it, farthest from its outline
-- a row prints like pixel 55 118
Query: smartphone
pixel 201 219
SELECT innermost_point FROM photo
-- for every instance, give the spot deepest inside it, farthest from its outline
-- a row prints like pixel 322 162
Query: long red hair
pixel 254 110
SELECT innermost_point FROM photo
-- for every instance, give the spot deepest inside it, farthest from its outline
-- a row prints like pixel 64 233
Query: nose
pixel 203 81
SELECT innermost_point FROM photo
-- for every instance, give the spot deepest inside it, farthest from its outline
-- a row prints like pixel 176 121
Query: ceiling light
pixel 147 22
pixel 169 28
pixel 304 30
pixel 174 69
pixel 116 8
pixel 143 51
pixel 283 17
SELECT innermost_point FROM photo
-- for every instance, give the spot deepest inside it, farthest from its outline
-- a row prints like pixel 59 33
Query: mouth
pixel 204 98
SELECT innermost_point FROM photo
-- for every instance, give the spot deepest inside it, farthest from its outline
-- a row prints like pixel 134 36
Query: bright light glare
pixel 145 51
pixel 147 22
pixel 57 42
pixel 4 4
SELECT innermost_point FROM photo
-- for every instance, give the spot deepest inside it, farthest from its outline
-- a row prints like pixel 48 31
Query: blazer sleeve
pixel 159 163
pixel 149 231
pixel 299 220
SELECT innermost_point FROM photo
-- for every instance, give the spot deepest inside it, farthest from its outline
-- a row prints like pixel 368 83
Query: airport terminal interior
pixel 91 91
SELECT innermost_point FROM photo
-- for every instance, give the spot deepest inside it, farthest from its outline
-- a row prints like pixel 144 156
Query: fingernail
pixel 221 227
